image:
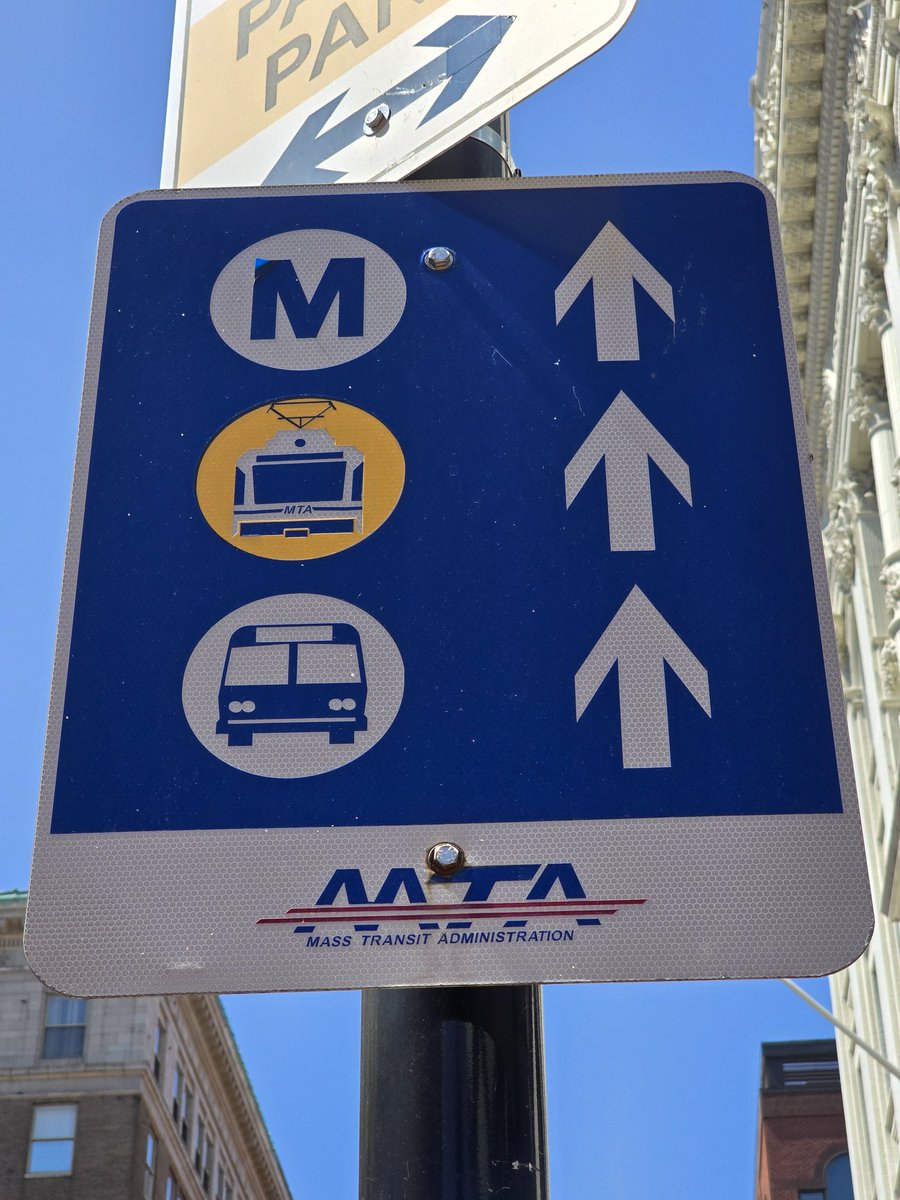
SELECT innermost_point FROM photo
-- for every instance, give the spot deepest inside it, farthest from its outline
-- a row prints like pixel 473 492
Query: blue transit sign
pixel 463 515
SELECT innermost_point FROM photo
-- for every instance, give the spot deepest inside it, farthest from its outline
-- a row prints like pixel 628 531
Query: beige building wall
pixel 826 100
pixel 143 1098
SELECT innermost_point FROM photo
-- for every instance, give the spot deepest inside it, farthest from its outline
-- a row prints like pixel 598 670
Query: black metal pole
pixel 452 1079
pixel 452 1097
pixel 485 155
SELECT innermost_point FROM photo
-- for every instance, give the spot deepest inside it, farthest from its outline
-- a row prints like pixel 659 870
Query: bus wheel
pixel 243 737
pixel 343 737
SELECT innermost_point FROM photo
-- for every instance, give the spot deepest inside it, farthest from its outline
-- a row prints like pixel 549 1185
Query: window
pixel 880 1041
pixel 149 1167
pixel 257 665
pixel 204 1155
pixel 177 1093
pixel 64 1027
pixel 838 1184
pixel 173 1191
pixel 220 1185
pixel 327 664
pixel 209 1159
pixel 52 1145
pixel 182 1104
pixel 187 1118
pixel 159 1052
pixel 298 482
pixel 201 1145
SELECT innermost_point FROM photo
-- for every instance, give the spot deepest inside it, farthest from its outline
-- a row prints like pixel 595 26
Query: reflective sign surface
pixel 520 553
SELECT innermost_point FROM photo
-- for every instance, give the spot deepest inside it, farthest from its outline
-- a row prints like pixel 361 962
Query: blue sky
pixel 652 1088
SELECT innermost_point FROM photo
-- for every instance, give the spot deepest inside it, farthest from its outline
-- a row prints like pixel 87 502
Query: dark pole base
pixel 452 1094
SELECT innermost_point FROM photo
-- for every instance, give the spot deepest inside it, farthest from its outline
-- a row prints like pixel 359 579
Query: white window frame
pixel 33 1141
pixel 187 1114
pixel 160 1037
pixel 151 1155
pixel 49 998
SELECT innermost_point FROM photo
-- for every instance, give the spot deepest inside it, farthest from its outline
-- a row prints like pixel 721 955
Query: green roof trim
pixel 13 896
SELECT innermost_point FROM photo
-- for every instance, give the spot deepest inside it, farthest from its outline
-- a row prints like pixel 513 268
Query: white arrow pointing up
pixel 642 642
pixel 628 441
pixel 613 266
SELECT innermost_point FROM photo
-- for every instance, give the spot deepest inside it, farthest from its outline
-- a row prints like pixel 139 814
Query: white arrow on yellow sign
pixel 303 91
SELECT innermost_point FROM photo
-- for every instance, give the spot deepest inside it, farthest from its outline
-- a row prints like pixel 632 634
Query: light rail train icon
pixel 293 679
pixel 301 483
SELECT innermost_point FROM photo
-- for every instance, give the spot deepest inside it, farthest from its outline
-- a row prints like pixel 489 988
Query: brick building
pixel 135 1099
pixel 801 1148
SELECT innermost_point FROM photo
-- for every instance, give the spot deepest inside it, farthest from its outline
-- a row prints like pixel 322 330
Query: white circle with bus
pixel 293 686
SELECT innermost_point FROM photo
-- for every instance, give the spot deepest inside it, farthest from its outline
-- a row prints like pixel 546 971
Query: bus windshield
pixel 257 665
pixel 326 662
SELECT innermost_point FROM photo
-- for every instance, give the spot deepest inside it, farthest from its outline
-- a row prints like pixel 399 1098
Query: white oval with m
pixel 308 299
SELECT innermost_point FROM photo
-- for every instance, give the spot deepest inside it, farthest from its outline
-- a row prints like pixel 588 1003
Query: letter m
pixel 276 282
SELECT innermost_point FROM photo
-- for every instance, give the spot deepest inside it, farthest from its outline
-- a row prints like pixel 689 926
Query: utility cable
pixel 845 1029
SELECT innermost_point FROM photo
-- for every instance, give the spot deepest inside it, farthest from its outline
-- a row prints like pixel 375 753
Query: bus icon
pixel 301 483
pixel 293 679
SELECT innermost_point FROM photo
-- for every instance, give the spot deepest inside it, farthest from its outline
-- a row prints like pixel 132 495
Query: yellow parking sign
pixel 314 91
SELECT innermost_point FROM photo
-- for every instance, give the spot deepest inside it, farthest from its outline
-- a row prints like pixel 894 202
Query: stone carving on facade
pixel 876 132
pixel 802 131
pixel 890 580
pixel 876 218
pixel 769 112
pixel 840 553
pixel 829 383
pixel 798 170
pixel 803 96
pixel 867 404
pixel 872 130
pixel 843 507
pixel 890 36
pixel 862 33
pixel 866 21
pixel 807 22
pixel 880 151
pixel 888 658
pixel 852 492
pixel 874 311
pixel 890 669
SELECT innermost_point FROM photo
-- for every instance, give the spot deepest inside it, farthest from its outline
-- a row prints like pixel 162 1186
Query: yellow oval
pixel 300 477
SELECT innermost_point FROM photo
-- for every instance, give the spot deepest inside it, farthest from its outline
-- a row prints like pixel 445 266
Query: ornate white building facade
pixel 827 114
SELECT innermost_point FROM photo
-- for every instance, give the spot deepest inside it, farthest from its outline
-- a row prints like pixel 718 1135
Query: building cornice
pixel 214 1038
pixel 825 250
pixel 207 1011
pixel 802 71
